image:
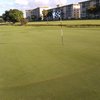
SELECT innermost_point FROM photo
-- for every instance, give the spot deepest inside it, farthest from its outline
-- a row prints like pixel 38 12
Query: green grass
pixel 69 22
pixel 34 65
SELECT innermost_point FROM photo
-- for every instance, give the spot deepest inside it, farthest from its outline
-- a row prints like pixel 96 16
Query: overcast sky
pixel 30 4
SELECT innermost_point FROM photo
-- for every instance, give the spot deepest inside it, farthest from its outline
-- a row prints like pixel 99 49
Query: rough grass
pixel 68 22
pixel 34 65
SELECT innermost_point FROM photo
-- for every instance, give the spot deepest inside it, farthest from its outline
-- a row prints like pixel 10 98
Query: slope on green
pixel 34 65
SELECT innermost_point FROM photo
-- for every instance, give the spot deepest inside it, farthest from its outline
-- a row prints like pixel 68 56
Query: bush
pixel 1 20
pixel 24 21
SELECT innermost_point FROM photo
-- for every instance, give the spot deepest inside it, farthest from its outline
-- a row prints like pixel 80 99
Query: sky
pixel 31 4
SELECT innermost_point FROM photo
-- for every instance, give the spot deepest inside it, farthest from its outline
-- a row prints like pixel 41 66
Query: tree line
pixel 13 16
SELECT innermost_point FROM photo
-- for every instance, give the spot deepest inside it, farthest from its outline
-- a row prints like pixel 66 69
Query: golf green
pixel 34 65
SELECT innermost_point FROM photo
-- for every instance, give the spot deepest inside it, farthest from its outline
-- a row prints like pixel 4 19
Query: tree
pixel 50 15
pixel 91 11
pixel 5 16
pixel 1 19
pixel 13 15
pixel 45 13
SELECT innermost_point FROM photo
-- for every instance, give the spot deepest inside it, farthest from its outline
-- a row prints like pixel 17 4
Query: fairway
pixel 34 65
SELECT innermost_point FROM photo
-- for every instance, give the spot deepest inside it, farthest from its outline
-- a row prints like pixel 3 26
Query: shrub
pixel 24 21
pixel 1 20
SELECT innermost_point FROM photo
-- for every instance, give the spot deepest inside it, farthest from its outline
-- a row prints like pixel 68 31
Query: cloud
pixel 28 4
pixel 20 2
pixel 56 2
pixel 39 3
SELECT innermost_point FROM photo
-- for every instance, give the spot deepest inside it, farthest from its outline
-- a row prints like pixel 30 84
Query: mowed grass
pixel 68 22
pixel 34 65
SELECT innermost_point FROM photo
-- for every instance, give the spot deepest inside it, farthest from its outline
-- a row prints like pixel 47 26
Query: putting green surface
pixel 34 65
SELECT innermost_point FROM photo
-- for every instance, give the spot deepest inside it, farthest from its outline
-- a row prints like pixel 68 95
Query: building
pixel 86 5
pixel 71 11
pixel 57 13
pixel 28 14
pixel 83 9
pixel 94 3
pixel 35 14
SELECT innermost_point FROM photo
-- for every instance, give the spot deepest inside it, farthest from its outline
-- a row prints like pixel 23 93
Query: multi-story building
pixel 57 13
pixel 28 14
pixel 85 5
pixel 71 11
pixel 83 8
pixel 94 3
pixel 35 14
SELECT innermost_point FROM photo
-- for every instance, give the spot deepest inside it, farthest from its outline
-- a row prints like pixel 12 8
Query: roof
pixel 84 1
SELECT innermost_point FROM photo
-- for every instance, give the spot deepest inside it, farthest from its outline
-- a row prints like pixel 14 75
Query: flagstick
pixel 62 36
pixel 62 33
